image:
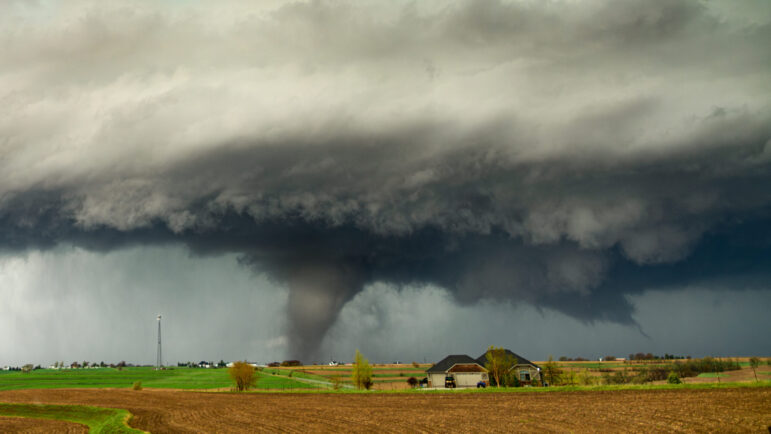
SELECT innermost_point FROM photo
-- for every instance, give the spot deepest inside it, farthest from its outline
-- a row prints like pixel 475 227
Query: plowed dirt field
pixel 684 410
pixel 19 425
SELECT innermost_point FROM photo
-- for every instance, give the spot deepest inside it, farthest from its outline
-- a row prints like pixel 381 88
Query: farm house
pixel 527 372
pixel 466 371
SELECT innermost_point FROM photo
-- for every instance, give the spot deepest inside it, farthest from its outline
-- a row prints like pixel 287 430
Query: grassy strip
pixel 98 419
pixel 296 373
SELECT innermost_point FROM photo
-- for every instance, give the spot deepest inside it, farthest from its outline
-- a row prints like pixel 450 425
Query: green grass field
pixel 277 382
pixel 177 378
pixel 711 375
pixel 98 420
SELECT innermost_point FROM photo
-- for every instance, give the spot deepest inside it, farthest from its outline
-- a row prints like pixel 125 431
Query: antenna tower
pixel 159 359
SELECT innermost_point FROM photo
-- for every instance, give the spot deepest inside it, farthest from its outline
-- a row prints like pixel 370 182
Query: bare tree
pixel 754 362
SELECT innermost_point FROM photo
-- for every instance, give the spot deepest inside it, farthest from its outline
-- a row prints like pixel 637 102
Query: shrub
pixel 415 364
pixel 694 367
pixel 137 385
pixel 609 358
pixel 510 380
pixel 586 379
pixel 551 373
pixel 290 373
pixel 243 375
pixel 337 382
pixel 618 377
pixel 656 374
pixel 641 377
pixel 413 382
pixel 673 378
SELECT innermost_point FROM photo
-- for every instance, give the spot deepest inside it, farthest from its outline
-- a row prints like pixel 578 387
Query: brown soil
pixel 26 425
pixel 682 410
pixel 392 385
pixel 742 375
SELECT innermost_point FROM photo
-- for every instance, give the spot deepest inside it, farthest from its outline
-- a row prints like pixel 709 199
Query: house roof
pixel 448 362
pixel 467 368
pixel 520 360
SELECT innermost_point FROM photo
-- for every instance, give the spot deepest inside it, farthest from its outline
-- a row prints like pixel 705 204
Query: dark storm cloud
pixel 560 155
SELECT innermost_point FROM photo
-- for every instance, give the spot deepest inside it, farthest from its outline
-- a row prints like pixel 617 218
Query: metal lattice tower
pixel 159 359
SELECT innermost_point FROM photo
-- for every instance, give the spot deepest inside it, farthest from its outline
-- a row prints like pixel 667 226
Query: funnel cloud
pixel 560 156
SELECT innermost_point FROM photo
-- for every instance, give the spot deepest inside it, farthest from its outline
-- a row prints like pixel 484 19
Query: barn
pixel 466 371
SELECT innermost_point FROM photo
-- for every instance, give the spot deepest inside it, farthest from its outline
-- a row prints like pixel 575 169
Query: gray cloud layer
pixel 505 150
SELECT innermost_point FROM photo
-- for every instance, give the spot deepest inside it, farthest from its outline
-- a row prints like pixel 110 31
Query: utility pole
pixel 159 359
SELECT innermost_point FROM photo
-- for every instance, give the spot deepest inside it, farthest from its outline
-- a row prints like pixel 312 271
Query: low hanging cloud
pixel 545 153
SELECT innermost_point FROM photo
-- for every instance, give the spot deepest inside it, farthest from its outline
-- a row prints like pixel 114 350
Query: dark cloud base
pixel 326 266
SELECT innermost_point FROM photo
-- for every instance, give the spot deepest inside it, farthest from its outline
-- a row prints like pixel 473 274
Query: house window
pixel 524 375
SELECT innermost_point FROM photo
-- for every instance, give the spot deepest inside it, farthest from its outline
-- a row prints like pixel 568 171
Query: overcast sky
pixel 298 180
